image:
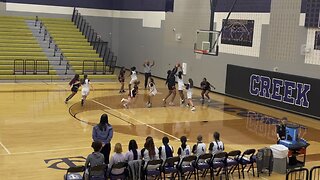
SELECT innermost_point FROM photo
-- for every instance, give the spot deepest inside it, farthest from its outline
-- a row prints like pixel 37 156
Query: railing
pixel 93 38
pixel 29 66
pixel 56 49
pixel 90 66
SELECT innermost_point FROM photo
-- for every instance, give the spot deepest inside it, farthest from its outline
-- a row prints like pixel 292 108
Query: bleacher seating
pixel 18 42
pixel 73 44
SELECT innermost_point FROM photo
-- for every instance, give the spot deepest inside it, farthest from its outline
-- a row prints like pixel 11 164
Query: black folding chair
pixel 187 165
pixel 203 164
pixel 153 168
pixel 75 173
pixel 247 159
pixel 315 173
pixel 218 163
pixel 98 172
pixel 121 166
pixel 170 167
pixel 298 174
pixel 232 162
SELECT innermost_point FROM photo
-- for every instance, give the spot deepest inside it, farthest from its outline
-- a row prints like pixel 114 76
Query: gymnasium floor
pixel 39 137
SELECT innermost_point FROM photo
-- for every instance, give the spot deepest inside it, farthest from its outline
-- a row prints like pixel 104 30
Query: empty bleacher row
pixel 18 43
pixel 23 57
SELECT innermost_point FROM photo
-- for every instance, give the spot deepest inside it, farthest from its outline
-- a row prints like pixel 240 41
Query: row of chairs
pixel 304 174
pixel 222 163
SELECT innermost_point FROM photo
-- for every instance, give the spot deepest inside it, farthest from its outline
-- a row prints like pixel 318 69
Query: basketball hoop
pixel 200 52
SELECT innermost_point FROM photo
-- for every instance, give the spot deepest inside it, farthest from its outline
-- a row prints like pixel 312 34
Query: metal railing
pixel 46 34
pixel 93 38
pixel 94 67
pixel 30 66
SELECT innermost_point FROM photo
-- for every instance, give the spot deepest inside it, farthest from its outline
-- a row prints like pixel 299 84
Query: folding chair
pixel 218 163
pixel 298 174
pixel 247 158
pixel 203 164
pixel 170 167
pixel 73 173
pixel 121 166
pixel 232 162
pixel 187 165
pixel 98 172
pixel 135 169
pixel 153 168
pixel 315 173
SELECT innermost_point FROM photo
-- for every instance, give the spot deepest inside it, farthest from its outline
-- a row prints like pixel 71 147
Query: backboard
pixel 207 42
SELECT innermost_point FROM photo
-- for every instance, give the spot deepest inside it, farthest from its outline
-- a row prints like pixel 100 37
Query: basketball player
pixel 85 88
pixel 152 91
pixel 206 87
pixel 166 150
pixel 199 148
pixel 121 79
pixel 147 72
pixel 216 145
pixel 74 84
pixel 184 149
pixel 133 76
pixel 171 84
pixel 189 87
pixel 180 86
pixel 132 95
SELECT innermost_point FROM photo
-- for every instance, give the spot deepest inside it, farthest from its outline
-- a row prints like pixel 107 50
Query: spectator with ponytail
pixel 166 150
pixel 133 153
pixel 149 152
pixel 216 145
pixel 184 149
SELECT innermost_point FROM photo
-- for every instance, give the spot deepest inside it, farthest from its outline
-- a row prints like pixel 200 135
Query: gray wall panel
pixel 133 44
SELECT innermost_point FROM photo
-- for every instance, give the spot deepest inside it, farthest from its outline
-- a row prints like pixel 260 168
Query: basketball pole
pixel 213 5
pixel 214 2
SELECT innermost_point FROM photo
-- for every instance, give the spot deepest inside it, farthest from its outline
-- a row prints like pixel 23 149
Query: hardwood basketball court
pixel 40 135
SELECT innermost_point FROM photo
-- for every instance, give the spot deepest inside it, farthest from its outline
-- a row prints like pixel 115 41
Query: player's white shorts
pixel 85 92
pixel 153 93
pixel 180 87
pixel 189 95
pixel 132 81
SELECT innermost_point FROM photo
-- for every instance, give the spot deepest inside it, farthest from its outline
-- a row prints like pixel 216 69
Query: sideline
pixel 6 149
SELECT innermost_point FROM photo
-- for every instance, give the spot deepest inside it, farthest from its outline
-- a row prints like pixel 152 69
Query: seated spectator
pixel 117 158
pixel 199 148
pixel 94 159
pixel 166 150
pixel 132 154
pixel 184 149
pixel 216 145
pixel 150 151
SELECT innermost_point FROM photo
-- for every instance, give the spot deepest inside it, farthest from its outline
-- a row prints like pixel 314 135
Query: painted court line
pixel 50 150
pixel 6 149
pixel 136 120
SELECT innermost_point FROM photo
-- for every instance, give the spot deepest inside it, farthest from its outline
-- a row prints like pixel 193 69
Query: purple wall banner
pixel 285 91
pixel 237 32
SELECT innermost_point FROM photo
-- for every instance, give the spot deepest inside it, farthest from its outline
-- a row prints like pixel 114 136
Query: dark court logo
pixel 65 163
pixel 281 90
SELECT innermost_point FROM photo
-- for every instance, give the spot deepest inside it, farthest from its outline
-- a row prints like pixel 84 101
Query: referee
pixel 147 72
